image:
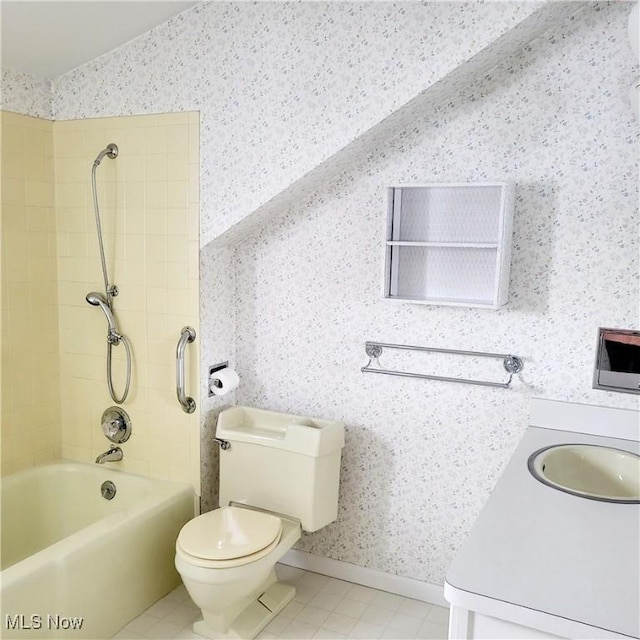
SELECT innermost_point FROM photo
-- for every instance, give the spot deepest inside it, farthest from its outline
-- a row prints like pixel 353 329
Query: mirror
pixel 617 365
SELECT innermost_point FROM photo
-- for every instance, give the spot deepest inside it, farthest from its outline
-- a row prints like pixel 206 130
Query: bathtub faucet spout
pixel 113 455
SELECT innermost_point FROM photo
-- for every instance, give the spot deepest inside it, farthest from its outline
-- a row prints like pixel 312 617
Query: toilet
pixel 279 476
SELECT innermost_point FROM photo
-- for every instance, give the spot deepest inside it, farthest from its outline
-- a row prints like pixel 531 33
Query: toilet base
pixel 255 617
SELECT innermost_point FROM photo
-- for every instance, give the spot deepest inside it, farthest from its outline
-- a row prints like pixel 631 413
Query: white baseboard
pixel 407 587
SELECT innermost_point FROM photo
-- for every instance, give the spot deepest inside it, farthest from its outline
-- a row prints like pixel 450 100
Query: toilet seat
pixel 229 537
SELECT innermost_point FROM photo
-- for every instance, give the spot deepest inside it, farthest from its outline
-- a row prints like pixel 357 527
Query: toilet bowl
pixel 227 562
pixel 279 476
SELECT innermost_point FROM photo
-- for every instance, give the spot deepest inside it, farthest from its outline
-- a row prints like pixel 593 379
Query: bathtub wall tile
pixel 30 382
pixel 147 196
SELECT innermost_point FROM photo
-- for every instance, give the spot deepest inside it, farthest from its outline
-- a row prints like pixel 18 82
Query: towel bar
pixel 512 364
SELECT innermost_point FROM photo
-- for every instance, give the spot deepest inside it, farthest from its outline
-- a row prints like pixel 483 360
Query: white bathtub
pixel 70 558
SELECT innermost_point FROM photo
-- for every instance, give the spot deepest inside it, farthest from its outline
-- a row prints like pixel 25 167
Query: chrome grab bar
pixel 188 334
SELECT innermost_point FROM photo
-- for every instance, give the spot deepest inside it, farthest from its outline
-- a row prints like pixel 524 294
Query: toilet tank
pixel 280 462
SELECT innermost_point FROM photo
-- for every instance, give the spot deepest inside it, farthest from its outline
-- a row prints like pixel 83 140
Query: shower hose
pixel 112 340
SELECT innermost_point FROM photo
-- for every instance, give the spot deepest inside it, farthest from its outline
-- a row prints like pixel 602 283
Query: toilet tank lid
pixel 301 434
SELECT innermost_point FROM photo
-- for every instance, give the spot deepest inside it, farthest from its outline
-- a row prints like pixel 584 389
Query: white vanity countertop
pixel 551 560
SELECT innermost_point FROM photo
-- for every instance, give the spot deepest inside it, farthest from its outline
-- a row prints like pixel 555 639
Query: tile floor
pixel 323 608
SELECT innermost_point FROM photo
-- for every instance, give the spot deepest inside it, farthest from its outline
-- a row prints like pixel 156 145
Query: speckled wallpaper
pixel 281 85
pixel 21 93
pixel 290 297
pixel 422 456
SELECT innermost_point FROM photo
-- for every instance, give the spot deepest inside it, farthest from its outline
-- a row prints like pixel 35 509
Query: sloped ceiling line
pixel 505 46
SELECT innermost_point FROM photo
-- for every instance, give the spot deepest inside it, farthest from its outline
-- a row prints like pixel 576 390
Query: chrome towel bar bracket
pixel 188 334
pixel 512 364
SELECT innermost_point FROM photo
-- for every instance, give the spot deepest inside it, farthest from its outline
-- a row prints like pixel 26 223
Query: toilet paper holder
pixel 213 381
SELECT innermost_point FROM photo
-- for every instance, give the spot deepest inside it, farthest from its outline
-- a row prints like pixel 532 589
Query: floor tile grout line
pixel 398 617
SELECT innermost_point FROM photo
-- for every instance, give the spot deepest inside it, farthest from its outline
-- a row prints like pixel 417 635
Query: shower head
pixel 111 151
pixel 95 298
pixel 98 300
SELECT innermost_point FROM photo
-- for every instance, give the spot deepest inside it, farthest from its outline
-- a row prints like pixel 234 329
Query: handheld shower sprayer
pixel 114 338
pixel 98 300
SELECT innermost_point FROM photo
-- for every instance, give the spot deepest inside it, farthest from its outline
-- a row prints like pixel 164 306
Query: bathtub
pixel 75 565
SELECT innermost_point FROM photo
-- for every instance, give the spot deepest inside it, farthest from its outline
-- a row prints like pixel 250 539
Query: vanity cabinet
pixel 471 625
pixel 449 244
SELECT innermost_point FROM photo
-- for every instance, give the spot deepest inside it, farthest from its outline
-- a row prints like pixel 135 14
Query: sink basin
pixel 589 471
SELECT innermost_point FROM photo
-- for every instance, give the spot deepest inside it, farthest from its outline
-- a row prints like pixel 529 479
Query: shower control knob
pixel 116 425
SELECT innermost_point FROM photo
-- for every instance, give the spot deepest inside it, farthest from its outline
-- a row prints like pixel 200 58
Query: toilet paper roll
pixel 223 381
